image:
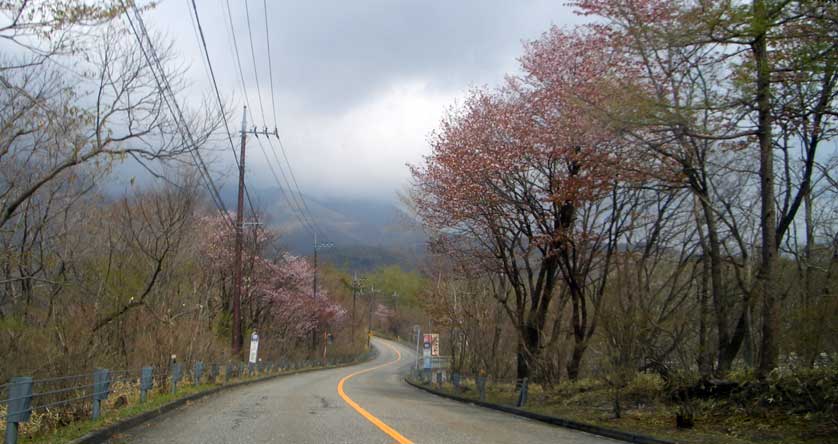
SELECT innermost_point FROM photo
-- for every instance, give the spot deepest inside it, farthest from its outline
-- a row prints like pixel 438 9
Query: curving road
pixel 368 404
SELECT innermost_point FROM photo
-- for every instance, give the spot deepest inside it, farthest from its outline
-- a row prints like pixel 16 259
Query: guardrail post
pixel 176 373
pixel 197 371
pixel 228 371
pixel 146 381
pixel 522 395
pixel 439 379
pixel 213 373
pixel 481 387
pixel 19 405
pixel 455 381
pixel 101 389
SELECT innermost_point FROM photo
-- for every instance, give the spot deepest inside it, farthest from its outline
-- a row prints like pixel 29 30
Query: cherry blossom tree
pixel 524 179
pixel 277 297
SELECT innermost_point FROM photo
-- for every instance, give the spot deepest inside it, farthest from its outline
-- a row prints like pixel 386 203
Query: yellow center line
pixel 369 416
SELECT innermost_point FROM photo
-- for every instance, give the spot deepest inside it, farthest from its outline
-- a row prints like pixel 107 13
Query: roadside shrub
pixel 644 388
pixel 570 388
pixel 813 390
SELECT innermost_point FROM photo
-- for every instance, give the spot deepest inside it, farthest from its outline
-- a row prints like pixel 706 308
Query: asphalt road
pixel 372 405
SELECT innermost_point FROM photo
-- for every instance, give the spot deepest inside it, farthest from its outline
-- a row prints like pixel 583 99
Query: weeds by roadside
pixel 782 409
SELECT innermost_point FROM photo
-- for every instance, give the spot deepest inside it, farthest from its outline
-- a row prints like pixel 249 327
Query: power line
pixel 295 204
pixel 203 43
pixel 302 209
pixel 253 57
pixel 295 209
pixel 296 185
pixel 270 62
pixel 236 50
pixel 171 103
pixel 273 102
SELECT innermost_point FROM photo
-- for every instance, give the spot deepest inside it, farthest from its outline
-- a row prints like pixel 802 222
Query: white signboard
pixel 254 347
pixel 434 344
pixel 426 351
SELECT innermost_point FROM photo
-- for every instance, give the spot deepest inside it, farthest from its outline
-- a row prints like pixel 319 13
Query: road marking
pixel 369 416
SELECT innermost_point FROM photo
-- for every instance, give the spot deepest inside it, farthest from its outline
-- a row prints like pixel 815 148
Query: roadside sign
pixel 434 344
pixel 254 347
pixel 431 342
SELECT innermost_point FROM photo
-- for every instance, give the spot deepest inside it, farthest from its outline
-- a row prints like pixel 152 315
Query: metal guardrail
pixel 23 395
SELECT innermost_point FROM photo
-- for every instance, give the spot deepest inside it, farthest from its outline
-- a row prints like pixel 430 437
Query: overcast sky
pixel 359 85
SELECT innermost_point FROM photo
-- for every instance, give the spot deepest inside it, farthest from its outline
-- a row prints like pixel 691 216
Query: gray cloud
pixel 359 84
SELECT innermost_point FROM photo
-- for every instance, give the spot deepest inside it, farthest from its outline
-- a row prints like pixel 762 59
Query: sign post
pixel 427 362
pixel 254 347
pixel 418 332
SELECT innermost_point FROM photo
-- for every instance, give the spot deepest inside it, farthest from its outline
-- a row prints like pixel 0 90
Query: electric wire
pixel 171 103
pixel 253 56
pixel 203 44
pixel 270 61
pixel 297 186
pixel 293 203
pixel 303 222
pixel 235 47
pixel 296 207
pixel 235 50
pixel 273 104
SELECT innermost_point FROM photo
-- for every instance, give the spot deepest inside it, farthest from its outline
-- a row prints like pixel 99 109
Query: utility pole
pixel 418 330
pixel 237 257
pixel 314 293
pixel 354 294
pixel 237 261
pixel 369 318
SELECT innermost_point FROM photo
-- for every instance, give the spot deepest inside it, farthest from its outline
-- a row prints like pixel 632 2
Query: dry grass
pixel 646 412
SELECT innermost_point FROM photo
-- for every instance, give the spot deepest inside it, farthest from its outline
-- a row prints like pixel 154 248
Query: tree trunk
pixel 728 352
pixel 808 269
pixel 705 364
pixel 496 341
pixel 748 341
pixel 770 306
pixel 576 360
pixel 523 368
pixel 528 351
pixel 728 345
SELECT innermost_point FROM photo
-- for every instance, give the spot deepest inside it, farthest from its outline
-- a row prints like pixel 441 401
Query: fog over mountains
pixel 366 232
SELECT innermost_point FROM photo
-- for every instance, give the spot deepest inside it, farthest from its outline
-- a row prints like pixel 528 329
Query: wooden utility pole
pixel 354 294
pixel 369 319
pixel 314 292
pixel 237 257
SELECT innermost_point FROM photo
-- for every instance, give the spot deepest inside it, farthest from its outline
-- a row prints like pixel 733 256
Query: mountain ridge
pixel 366 233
